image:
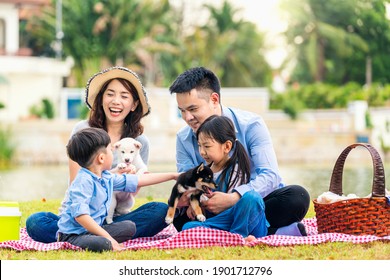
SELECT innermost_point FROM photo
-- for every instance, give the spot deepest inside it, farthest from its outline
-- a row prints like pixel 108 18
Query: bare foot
pixel 249 239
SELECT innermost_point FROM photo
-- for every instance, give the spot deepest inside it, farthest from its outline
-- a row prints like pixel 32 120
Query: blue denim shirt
pixel 91 195
pixel 253 133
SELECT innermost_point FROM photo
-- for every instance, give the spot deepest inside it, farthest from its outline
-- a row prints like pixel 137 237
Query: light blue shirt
pixel 91 195
pixel 253 133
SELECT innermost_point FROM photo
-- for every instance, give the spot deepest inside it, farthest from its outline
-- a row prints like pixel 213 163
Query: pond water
pixel 26 183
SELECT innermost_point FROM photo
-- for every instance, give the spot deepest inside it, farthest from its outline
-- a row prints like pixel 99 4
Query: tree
pixel 322 36
pixel 230 46
pixel 101 33
pixel 149 37
pixel 370 23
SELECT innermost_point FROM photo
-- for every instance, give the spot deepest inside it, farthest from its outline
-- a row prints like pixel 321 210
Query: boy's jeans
pixel 149 219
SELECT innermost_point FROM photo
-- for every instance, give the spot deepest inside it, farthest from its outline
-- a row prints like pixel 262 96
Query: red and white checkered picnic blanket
pixel 200 237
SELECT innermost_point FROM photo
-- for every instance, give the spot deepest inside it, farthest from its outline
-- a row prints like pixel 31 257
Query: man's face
pixel 194 109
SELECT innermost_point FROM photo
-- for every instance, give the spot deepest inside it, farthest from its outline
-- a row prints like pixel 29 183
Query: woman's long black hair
pixel 221 129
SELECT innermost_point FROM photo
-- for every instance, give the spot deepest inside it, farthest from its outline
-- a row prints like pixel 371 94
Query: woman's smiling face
pixel 117 102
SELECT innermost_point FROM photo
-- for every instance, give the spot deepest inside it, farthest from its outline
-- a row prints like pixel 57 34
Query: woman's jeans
pixel 246 217
pixel 148 218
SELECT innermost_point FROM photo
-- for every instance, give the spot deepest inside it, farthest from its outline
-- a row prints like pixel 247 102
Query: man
pixel 198 97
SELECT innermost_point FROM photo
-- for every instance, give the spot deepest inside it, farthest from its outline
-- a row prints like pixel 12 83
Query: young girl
pixel 229 161
pixel 217 139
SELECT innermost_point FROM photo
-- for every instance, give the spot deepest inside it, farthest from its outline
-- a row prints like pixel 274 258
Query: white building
pixel 25 80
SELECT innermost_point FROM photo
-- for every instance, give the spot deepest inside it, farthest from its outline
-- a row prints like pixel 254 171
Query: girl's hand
pixel 219 201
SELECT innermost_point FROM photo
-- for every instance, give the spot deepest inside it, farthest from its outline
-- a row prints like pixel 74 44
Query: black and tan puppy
pixel 198 180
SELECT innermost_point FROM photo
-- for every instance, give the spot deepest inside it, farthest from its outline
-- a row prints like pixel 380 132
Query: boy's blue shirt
pixel 91 195
pixel 253 134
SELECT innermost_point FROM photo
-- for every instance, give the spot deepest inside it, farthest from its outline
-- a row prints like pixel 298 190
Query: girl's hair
pixel 221 129
pixel 132 125
pixel 84 144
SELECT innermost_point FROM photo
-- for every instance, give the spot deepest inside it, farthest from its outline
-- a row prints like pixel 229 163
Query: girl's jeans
pixel 246 217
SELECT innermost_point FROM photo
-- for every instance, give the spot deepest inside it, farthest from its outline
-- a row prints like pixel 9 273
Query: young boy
pixel 82 221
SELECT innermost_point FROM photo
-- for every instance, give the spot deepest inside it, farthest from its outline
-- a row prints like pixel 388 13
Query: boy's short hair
pixel 84 144
pixel 197 77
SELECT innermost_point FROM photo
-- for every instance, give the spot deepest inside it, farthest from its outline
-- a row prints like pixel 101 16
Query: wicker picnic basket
pixel 357 216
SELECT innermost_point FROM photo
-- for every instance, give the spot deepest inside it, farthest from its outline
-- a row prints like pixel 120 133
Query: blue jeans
pixel 148 218
pixel 120 231
pixel 246 217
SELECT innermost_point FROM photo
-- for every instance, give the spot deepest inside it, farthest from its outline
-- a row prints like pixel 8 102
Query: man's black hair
pixel 197 77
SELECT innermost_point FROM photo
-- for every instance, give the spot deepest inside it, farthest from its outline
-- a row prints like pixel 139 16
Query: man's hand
pixel 219 201
pixel 191 213
pixel 185 199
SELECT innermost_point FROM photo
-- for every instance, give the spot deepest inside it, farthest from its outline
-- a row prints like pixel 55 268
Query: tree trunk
pixel 368 71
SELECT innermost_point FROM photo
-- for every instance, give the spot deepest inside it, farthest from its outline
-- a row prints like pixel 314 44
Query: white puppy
pixel 128 151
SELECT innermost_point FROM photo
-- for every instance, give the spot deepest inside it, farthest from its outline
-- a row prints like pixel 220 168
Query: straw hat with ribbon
pixel 96 82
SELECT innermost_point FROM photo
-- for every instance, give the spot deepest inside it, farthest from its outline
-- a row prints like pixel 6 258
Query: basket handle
pixel 378 183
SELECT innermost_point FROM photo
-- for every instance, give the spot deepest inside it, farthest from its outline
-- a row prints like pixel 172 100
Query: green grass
pixel 326 251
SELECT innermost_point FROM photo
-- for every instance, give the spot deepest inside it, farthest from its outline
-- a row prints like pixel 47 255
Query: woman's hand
pixel 124 169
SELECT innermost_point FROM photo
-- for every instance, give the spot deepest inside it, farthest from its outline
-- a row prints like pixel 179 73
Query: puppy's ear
pixel 200 167
pixel 137 144
pixel 117 145
pixel 211 164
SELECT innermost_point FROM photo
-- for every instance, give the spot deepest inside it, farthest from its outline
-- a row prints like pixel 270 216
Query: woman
pixel 118 102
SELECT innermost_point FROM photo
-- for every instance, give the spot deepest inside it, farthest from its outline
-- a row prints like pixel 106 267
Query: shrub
pixel 7 148
pixel 327 96
pixel 45 109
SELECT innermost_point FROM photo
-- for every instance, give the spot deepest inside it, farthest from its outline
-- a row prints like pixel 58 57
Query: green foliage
pixel 327 96
pixel 368 120
pixel 45 109
pixel 97 33
pixel 2 106
pixel 385 148
pixel 152 38
pixel 333 41
pixel 292 107
pixel 83 111
pixel 229 45
pixel 7 147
